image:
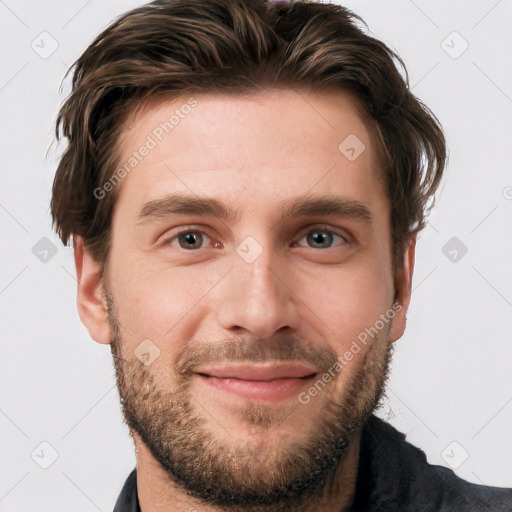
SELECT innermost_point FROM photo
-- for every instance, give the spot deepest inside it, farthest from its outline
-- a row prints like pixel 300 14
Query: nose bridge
pixel 256 297
pixel 264 285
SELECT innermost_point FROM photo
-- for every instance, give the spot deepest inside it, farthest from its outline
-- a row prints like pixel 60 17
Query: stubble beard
pixel 286 475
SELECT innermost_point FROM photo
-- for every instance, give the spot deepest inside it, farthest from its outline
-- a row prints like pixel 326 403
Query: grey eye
pixel 320 239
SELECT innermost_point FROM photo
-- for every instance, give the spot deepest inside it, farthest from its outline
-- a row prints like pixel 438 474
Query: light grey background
pixel 451 385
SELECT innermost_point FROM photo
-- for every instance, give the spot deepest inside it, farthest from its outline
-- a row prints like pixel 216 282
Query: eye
pixel 321 238
pixel 190 240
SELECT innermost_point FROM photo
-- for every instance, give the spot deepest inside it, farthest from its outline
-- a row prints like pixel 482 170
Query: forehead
pixel 273 143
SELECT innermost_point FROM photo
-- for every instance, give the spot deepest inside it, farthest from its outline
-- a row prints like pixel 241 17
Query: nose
pixel 257 297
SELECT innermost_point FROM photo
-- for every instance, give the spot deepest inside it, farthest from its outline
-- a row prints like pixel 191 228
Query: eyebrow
pixel 311 205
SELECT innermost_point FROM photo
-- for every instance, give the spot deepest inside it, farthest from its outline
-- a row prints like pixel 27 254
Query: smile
pixel 263 382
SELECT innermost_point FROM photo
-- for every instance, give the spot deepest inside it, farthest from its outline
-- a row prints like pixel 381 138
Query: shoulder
pixel 395 475
pixel 458 494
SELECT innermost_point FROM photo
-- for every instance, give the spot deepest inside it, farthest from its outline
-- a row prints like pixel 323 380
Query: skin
pixel 251 153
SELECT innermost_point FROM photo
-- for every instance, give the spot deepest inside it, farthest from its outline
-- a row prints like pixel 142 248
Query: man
pixel 243 185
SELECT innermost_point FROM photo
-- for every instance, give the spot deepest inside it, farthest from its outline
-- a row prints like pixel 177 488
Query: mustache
pixel 291 350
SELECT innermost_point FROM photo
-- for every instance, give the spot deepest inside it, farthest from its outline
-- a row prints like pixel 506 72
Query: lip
pixel 257 372
pixel 271 383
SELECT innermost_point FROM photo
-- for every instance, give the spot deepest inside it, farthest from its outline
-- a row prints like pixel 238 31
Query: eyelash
pixel 321 229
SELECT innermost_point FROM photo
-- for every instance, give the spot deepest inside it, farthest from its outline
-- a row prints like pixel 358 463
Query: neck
pixel 158 493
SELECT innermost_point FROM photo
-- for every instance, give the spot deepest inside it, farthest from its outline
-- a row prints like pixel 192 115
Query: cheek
pixel 162 305
pixel 357 313
pixel 348 302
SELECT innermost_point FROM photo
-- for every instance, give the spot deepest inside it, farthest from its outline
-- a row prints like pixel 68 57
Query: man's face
pixel 248 254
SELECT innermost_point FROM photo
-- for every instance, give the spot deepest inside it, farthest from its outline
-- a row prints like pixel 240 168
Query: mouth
pixel 271 383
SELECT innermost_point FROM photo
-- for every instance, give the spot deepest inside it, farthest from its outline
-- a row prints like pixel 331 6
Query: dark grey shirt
pixel 393 476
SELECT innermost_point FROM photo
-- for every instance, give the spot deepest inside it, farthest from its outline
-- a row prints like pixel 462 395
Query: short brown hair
pixel 177 47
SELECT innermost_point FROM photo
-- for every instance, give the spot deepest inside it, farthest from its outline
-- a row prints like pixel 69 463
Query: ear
pixel 91 303
pixel 403 286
